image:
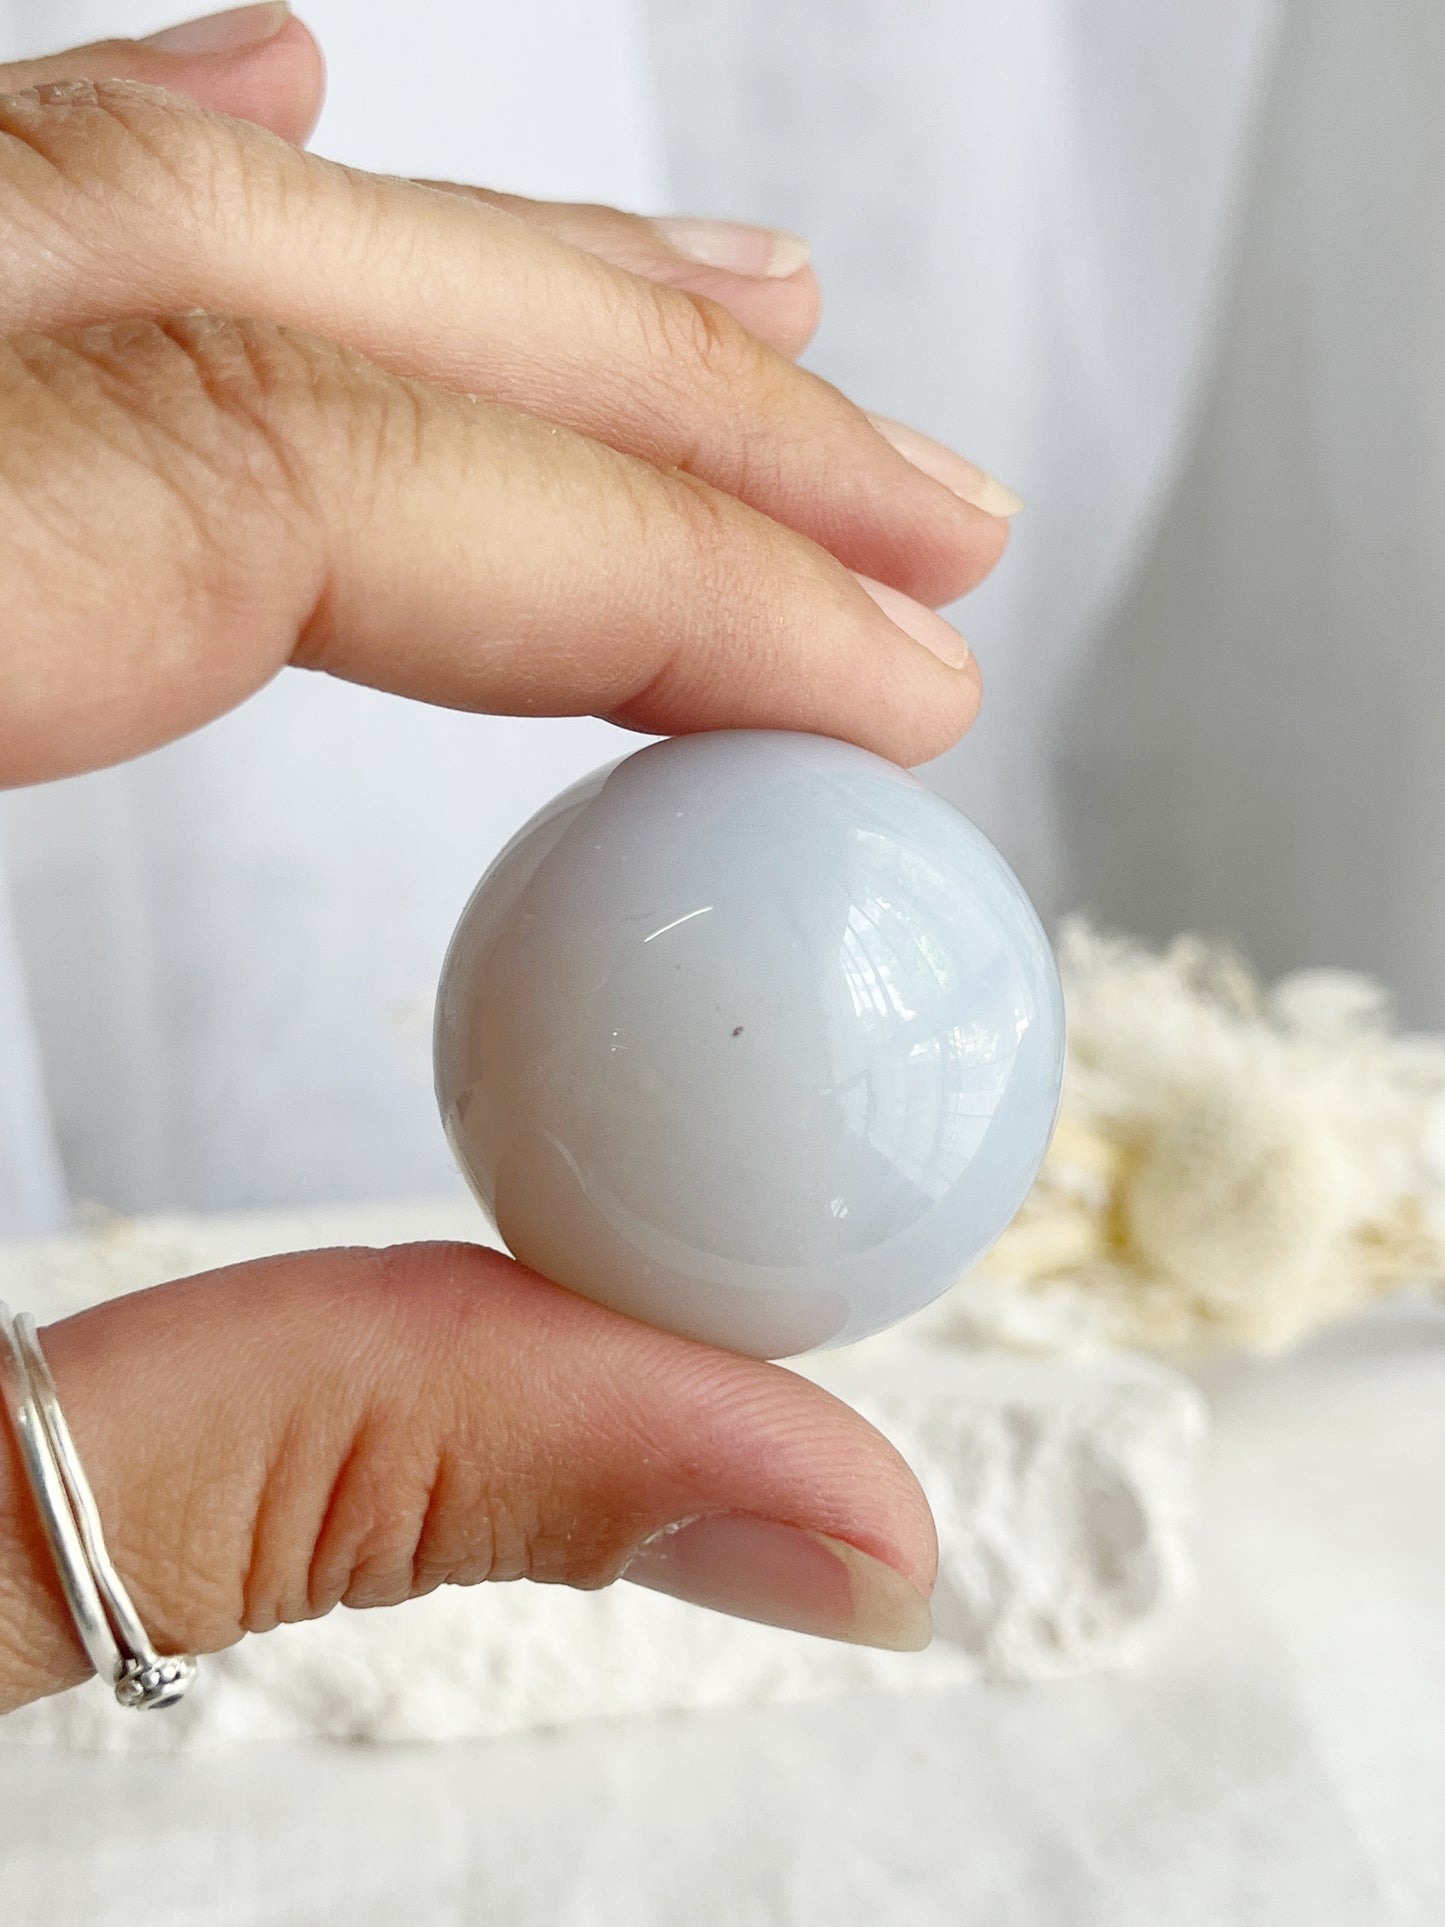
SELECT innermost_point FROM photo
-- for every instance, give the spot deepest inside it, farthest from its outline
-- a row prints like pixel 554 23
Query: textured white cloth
pixel 1063 1493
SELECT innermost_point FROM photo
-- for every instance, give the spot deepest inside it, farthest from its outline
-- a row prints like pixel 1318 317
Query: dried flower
pixel 1232 1167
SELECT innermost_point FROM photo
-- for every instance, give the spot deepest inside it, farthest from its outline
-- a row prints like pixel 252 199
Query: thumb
pixel 255 63
pixel 359 1427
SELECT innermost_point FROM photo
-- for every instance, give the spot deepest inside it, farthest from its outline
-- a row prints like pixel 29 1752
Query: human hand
pixel 258 409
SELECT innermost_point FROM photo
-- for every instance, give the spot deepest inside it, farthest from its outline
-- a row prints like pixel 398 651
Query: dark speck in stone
pixel 737 1030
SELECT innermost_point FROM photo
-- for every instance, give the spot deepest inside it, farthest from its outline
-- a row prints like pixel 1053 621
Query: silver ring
pixel 100 1606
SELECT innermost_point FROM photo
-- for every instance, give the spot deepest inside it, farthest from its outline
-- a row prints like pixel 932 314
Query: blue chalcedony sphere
pixel 751 1036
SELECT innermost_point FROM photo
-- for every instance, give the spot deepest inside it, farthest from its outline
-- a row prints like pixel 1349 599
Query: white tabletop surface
pixel 1278 1762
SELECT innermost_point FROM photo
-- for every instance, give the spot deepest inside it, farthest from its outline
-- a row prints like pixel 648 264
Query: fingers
pixel 760 276
pixel 444 286
pixel 361 1427
pixel 241 497
pixel 257 63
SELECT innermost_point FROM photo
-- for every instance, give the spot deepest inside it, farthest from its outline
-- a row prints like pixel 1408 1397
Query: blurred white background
pixel 1173 273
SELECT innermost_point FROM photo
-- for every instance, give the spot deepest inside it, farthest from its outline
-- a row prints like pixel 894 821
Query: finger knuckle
pixel 726 559
pixel 395 1528
pixel 721 555
pixel 374 1518
pixel 94 169
pixel 212 410
pixel 166 448
pixel 726 396
pixel 698 344
pixel 766 575
pixel 94 137
pixel 440 1485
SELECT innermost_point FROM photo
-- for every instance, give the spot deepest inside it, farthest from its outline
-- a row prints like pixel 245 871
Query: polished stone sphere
pixel 752 1036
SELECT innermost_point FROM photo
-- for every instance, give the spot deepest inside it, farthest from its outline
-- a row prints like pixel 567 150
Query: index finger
pixel 121 203
pixel 243 496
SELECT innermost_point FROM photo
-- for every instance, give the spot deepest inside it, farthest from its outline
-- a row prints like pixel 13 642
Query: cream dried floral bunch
pixel 1232 1167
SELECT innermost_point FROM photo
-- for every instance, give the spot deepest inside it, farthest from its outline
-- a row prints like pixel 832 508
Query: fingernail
pixel 955 471
pixel 936 635
pixel 766 253
pixel 223 33
pixel 783 1576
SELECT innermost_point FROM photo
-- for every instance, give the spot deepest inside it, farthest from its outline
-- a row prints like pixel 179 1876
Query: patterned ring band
pixel 104 1616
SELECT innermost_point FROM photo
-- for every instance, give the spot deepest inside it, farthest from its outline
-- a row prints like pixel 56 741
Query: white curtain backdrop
pixel 215 986
pixel 1023 217
pixel 1257 738
pixel 1172 272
